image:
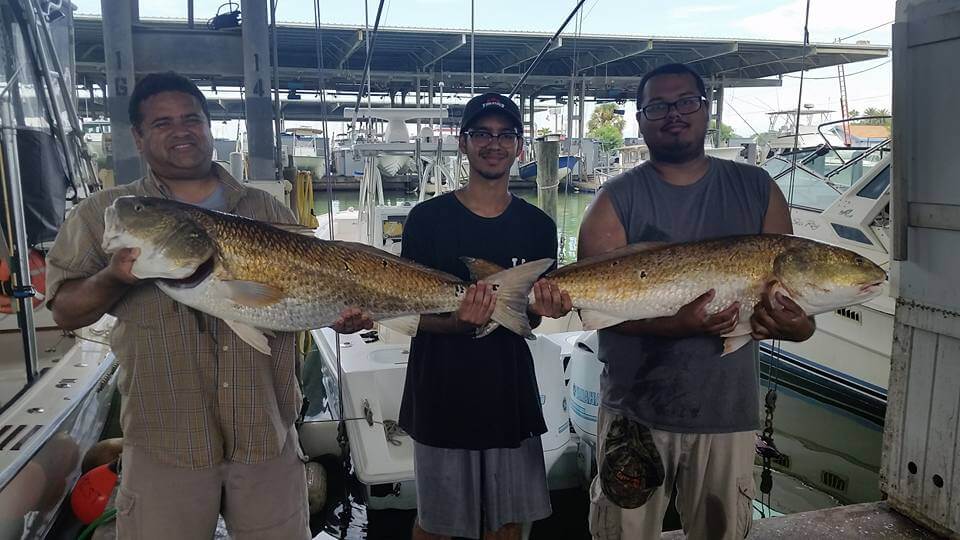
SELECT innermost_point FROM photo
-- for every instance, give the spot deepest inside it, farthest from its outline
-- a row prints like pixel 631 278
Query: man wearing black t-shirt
pixel 472 405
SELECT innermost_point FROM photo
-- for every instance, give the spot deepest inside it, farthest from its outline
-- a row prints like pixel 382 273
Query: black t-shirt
pixel 463 392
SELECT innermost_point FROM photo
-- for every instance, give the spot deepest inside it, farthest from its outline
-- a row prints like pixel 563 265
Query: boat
pixel 56 387
pixel 565 165
pixel 841 195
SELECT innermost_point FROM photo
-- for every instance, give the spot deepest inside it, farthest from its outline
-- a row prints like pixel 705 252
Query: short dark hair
pixel 671 69
pixel 155 83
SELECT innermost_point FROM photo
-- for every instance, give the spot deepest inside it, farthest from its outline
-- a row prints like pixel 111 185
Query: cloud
pixel 829 20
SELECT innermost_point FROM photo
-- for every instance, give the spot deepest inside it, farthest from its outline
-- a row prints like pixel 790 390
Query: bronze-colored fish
pixel 643 281
pixel 257 277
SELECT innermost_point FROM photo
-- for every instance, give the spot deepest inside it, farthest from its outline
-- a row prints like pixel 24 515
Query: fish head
pixel 823 277
pixel 173 243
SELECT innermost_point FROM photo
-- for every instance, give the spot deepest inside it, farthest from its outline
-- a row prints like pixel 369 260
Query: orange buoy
pixel 92 492
pixel 38 279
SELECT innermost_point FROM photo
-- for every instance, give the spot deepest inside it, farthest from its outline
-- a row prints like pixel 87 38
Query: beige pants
pixel 715 488
pixel 263 501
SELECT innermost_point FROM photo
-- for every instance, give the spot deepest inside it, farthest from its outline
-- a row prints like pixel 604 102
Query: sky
pixel 868 83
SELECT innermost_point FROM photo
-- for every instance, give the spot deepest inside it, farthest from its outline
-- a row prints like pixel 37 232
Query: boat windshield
pixel 822 175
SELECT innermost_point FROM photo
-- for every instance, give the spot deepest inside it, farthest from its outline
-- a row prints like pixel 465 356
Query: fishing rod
pixel 796 123
pixel 543 51
pixel 366 64
pixel 767 448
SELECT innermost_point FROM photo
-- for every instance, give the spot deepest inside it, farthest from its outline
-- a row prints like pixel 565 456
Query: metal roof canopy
pixel 610 65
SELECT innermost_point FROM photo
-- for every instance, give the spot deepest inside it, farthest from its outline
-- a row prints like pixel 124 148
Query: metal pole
pixel 34 35
pixel 258 109
pixel 366 67
pixel 430 95
pixel 440 104
pixel 472 39
pixel 60 38
pixel 366 43
pixel 417 97
pixel 533 127
pixel 118 56
pixel 523 109
pixel 67 86
pixel 19 234
pixel 570 93
pixel 190 14
pixel 719 92
pixel 321 89
pixel 583 109
pixel 278 128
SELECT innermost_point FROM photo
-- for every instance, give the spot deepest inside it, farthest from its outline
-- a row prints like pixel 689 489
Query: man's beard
pixel 673 150
pixel 492 174
pixel 676 152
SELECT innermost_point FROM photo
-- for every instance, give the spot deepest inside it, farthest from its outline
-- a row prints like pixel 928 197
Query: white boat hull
pixel 46 431
pixel 372 377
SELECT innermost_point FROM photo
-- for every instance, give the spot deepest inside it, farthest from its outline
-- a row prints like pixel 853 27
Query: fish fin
pixel 742 328
pixel 294 228
pixel 480 268
pixel 251 293
pixel 778 287
pixel 595 320
pixel 618 253
pixel 487 329
pixel 254 337
pixel 512 287
pixel 637 247
pixel 406 325
pixel 733 343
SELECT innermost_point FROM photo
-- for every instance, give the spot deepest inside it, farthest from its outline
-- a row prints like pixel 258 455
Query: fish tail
pixel 513 286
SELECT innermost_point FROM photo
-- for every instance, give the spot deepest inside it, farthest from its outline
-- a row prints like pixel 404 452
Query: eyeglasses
pixel 686 105
pixel 483 138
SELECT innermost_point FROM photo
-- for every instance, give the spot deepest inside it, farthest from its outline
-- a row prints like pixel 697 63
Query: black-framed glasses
pixel 483 138
pixel 684 105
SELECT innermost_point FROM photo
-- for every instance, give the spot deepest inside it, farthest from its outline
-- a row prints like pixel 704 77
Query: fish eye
pixel 138 207
pixel 859 261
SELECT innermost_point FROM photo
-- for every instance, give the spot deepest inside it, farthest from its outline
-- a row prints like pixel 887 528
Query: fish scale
pixel 644 281
pixel 258 276
pixel 321 278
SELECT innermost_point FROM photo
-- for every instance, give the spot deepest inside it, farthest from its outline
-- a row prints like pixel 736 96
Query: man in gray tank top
pixel 667 374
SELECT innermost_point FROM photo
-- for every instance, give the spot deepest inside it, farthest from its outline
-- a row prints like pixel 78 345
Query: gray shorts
pixel 457 490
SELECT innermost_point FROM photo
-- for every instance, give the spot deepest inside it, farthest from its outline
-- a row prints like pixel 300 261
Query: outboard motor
pixel 584 387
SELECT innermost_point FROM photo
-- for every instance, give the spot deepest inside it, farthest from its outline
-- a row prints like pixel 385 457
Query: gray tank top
pixel 682 385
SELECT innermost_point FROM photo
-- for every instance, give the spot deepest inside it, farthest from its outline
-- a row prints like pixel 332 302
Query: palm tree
pixel 873 111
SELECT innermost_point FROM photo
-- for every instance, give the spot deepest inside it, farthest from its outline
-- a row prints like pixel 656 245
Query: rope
pixel 303 187
pixel 391 428
pixel 393 431
pixel 107 516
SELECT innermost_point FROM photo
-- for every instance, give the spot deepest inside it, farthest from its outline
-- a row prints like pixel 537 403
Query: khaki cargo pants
pixel 715 488
pixel 263 501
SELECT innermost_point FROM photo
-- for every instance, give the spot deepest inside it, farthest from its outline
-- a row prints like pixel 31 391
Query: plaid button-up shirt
pixel 194 394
